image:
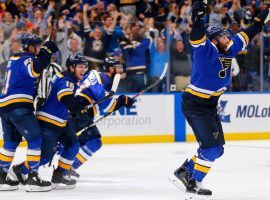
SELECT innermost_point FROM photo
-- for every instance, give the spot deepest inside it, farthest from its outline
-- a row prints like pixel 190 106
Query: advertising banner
pixel 243 114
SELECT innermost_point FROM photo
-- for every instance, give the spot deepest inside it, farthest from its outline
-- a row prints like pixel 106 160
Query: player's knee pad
pixel 211 153
pixel 10 145
pixel 35 143
pixel 221 152
pixel 94 145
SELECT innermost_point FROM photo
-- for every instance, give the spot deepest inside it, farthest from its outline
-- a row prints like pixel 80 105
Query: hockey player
pixel 53 117
pixel 210 77
pixel 16 110
pixel 101 83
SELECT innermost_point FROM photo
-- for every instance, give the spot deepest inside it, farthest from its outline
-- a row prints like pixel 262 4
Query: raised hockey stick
pixel 134 97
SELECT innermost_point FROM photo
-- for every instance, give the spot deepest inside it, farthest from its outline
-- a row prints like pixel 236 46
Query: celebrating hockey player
pixel 100 84
pixel 16 110
pixel 210 77
pixel 53 117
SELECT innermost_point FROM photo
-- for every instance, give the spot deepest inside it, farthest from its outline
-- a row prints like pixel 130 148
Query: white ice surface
pixel 140 172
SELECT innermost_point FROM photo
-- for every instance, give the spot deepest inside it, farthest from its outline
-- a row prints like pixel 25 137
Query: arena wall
pixel 158 118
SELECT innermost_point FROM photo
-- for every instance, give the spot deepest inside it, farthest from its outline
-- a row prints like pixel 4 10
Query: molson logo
pixel 251 111
pixel 222 113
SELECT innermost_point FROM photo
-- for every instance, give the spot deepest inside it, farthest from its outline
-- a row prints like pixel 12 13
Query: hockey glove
pixel 198 10
pixel 263 17
pixel 125 101
pixel 49 48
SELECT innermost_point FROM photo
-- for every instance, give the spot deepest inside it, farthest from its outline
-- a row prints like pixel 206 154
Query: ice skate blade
pixel 5 187
pixel 74 177
pixel 177 183
pixel 190 196
pixel 34 188
pixel 60 186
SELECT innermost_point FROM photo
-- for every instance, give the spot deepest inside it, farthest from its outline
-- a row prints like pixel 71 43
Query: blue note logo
pixel 222 113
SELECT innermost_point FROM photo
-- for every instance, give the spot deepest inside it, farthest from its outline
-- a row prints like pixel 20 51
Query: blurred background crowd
pixel 143 34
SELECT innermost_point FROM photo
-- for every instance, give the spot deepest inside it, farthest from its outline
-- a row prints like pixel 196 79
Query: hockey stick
pixel 134 97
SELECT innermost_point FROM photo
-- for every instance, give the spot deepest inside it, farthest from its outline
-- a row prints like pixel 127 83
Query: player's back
pixel 19 88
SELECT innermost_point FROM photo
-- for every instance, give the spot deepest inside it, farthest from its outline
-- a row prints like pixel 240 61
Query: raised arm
pixel 197 35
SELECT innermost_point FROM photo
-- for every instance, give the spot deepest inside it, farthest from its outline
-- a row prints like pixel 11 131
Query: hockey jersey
pixel 19 88
pixel 94 86
pixel 211 70
pixel 53 111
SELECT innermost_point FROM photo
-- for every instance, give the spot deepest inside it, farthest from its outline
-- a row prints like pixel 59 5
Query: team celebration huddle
pixel 55 108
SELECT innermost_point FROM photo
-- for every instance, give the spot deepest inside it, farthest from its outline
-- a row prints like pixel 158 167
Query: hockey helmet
pixel 111 62
pixel 73 61
pixel 214 32
pixel 29 39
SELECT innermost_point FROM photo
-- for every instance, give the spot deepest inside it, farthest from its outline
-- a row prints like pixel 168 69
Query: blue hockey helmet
pixel 73 61
pixel 214 32
pixel 111 62
pixel 28 39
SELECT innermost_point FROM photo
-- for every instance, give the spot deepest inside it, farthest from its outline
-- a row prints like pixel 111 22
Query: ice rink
pixel 140 172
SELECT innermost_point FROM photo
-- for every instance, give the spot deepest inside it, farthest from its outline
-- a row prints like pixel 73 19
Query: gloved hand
pixel 198 10
pixel 263 17
pixel 125 101
pixel 49 48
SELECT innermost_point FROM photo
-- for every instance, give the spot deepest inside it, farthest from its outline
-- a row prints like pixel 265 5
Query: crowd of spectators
pixel 143 34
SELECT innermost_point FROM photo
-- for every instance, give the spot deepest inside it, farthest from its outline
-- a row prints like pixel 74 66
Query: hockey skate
pixel 73 174
pixel 181 177
pixel 196 191
pixel 7 184
pixel 35 184
pixel 16 173
pixel 62 181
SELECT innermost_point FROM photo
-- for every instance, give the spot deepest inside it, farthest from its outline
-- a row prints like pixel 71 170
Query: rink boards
pixel 158 118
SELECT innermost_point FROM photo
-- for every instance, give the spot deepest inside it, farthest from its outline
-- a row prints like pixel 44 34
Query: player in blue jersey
pixel 210 77
pixel 94 86
pixel 16 110
pixel 53 119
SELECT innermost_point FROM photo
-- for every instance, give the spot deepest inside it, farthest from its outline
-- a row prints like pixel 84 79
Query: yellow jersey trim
pixel 89 100
pixel 113 106
pixel 245 36
pixel 33 158
pixel 6 158
pixel 81 158
pixel 59 97
pixel 42 118
pixel 17 100
pixel 63 165
pixel 201 168
pixel 196 42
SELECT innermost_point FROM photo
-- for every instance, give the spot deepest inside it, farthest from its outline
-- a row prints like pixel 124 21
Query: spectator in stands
pixel 96 42
pixel 74 47
pixel 135 50
pixel 180 65
pixel 158 59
